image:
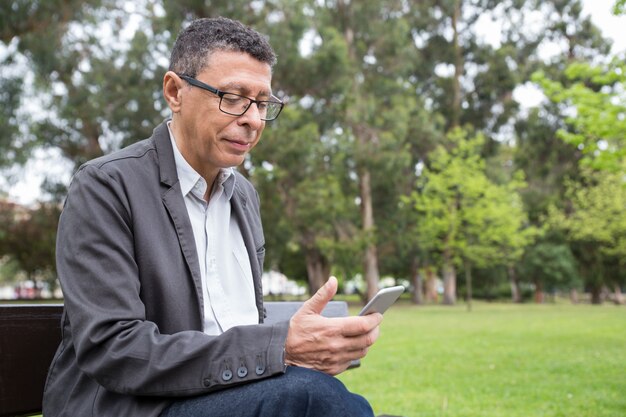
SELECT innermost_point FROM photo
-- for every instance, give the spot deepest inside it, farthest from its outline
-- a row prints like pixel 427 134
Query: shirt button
pixel 206 382
pixel 227 375
pixel 242 372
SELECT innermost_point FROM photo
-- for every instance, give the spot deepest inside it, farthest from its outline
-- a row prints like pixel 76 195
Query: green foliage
pixel 585 112
pixel 488 284
pixel 30 32
pixel 595 223
pixel 9 270
pixel 552 266
pixel 96 93
pixel 546 161
pixel 462 213
pixel 304 201
pixel 28 238
pixel 597 213
pixel 484 74
pixel 372 89
pixel 596 99
pixel 25 18
pixel 16 150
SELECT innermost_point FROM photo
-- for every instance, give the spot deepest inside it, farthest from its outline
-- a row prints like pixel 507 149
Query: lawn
pixel 498 360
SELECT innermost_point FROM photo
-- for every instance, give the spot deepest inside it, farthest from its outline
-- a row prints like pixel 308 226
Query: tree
pixel 471 79
pixel 10 92
pixel 353 84
pixel 98 92
pixel 544 157
pixel 496 230
pixel 592 107
pixel 376 112
pixel 596 103
pixel 29 238
pixel 30 32
pixel 304 204
pixel 372 89
pixel 595 223
pixel 462 216
pixel 550 266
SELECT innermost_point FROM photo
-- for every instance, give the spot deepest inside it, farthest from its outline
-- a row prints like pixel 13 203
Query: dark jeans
pixel 298 393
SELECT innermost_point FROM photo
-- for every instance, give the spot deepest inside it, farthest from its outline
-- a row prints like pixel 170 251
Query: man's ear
pixel 172 86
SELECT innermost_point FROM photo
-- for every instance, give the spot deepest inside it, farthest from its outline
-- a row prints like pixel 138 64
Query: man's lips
pixel 239 144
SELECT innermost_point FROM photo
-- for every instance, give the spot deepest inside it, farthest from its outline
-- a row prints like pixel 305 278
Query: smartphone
pixel 382 300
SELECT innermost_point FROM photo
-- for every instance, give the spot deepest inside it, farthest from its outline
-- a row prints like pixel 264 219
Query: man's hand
pixel 328 344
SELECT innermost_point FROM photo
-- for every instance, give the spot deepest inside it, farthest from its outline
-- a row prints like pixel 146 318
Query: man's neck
pixel 207 172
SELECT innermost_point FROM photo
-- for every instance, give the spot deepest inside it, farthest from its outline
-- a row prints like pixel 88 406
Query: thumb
pixel 316 304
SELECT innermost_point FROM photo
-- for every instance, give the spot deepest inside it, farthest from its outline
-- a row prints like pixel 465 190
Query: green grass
pixel 498 360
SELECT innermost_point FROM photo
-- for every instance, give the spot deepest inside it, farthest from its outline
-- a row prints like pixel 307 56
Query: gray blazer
pixel 128 267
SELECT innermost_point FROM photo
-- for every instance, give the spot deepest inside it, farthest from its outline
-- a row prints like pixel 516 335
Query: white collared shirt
pixel 227 286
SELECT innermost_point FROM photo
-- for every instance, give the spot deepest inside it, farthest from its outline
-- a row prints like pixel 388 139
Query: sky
pixel 26 189
pixel 612 26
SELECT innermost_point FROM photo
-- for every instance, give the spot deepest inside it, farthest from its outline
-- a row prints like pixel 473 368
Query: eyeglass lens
pixel 237 105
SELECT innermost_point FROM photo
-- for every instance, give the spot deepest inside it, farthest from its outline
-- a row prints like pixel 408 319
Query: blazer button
pixel 260 370
pixel 227 375
pixel 207 382
pixel 242 372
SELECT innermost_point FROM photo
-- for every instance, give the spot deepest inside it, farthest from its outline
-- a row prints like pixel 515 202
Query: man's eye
pixel 232 100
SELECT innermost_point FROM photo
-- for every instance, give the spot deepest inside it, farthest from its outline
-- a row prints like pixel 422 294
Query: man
pixel 160 253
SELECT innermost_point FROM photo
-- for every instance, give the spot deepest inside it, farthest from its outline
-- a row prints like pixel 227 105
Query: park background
pixel 469 150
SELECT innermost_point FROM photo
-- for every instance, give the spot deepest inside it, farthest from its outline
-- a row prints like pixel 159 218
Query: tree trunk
pixel 318 270
pixel 596 295
pixel 573 296
pixel 431 285
pixel 370 261
pixel 468 283
pixel 364 139
pixel 619 297
pixel 416 278
pixel 458 66
pixel 516 293
pixel 539 296
pixel 449 283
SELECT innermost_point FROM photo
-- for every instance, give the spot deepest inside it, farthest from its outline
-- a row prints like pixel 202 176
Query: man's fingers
pixel 356 326
pixel 361 342
pixel 328 344
pixel 316 304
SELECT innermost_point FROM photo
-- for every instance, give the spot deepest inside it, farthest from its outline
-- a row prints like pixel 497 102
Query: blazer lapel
pixel 242 212
pixel 175 206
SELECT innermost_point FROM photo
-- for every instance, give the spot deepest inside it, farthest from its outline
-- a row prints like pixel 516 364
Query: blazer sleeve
pixel 114 342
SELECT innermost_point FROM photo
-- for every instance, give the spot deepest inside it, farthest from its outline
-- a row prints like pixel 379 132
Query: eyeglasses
pixel 237 105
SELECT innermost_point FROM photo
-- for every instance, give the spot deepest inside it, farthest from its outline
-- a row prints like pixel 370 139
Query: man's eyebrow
pixel 243 90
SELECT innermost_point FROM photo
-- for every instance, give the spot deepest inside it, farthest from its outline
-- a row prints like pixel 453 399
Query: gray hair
pixel 194 44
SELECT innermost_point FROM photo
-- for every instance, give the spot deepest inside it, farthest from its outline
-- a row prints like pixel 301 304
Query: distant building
pixel 277 283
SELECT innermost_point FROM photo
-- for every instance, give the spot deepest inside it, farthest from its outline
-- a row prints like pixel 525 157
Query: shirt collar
pixel 227 179
pixel 191 181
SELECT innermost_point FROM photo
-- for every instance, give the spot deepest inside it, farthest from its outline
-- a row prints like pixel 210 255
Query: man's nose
pixel 252 117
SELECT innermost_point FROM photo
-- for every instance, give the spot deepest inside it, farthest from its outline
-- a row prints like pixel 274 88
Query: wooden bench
pixel 30 335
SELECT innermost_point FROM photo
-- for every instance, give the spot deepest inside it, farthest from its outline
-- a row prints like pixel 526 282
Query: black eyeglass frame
pixel 197 83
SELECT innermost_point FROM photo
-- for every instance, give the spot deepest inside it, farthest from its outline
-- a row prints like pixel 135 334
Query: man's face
pixel 208 138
